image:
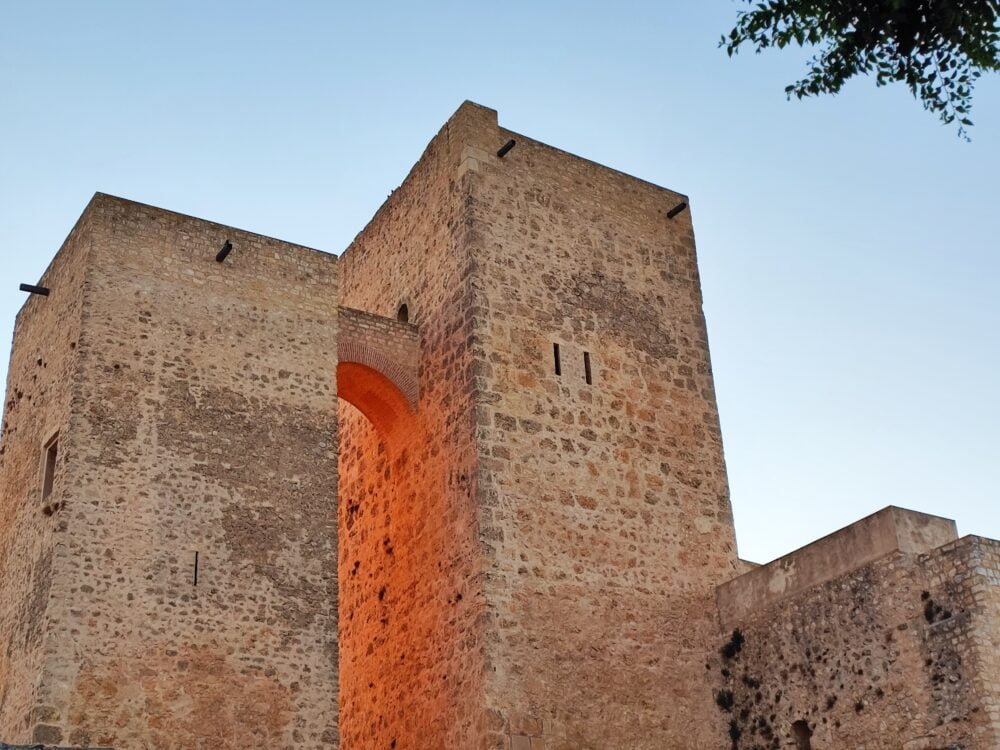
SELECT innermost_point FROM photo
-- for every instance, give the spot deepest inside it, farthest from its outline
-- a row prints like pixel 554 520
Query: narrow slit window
pixel 586 368
pixel 196 568
pixel 555 358
pixel 50 453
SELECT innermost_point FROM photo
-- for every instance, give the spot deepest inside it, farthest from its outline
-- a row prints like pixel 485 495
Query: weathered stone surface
pixel 412 609
pixel 198 419
pixel 901 651
pixel 286 514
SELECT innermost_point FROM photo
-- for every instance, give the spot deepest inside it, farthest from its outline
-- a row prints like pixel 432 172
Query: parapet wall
pixel 900 650
pixel 891 529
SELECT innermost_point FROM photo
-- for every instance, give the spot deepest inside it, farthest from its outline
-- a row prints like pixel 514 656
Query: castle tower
pixel 564 508
pixel 461 487
pixel 169 580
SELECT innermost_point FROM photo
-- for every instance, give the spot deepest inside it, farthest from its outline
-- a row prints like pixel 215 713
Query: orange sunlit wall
pixel 403 595
pixel 411 609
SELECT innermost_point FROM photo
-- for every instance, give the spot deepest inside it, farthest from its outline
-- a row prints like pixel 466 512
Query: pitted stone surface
pixel 900 652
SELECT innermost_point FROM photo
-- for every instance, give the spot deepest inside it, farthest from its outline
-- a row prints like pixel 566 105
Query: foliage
pixel 938 48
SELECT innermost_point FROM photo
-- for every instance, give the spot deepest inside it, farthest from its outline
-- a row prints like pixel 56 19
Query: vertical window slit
pixel 555 357
pixel 51 452
pixel 586 368
pixel 196 568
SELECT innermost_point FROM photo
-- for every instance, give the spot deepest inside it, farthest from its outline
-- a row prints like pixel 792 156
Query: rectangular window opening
pixel 196 568
pixel 49 454
pixel 555 355
pixel 586 368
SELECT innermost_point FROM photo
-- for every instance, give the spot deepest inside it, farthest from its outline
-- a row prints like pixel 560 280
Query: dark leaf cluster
pixel 938 48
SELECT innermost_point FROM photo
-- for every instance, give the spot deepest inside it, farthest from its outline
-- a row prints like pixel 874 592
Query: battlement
pixel 889 530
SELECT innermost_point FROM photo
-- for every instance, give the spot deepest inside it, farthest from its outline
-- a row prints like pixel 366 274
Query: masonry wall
pixel 42 384
pixel 206 425
pixel 898 654
pixel 605 504
pixel 411 620
pixel 595 518
pixel 522 556
pixel 864 541
pixel 984 587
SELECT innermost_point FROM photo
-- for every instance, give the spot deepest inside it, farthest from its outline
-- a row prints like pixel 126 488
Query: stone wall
pixel 598 512
pixel 532 537
pixel 411 624
pixel 983 586
pixel 43 396
pixel 194 576
pixel 832 556
pixel 897 654
pixel 604 504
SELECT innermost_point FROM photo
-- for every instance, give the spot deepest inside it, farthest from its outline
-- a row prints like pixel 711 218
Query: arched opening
pixel 400 593
pixel 377 429
pixel 375 396
pixel 802 734
pixel 406 589
pixel 403 313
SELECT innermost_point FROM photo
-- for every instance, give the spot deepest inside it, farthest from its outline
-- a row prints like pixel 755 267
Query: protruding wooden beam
pixel 226 249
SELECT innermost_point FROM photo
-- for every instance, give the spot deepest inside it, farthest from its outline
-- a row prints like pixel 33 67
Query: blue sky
pixel 849 246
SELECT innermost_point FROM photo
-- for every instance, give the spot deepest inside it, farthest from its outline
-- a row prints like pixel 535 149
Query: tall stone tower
pixel 560 520
pixel 168 485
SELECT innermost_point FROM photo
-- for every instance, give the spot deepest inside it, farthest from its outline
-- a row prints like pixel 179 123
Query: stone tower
pixel 176 586
pixel 545 538
pixel 460 487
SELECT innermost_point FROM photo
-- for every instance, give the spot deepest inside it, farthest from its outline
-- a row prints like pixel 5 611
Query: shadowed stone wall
pixel 203 423
pixel 897 653
pixel 44 398
pixel 412 636
pixel 563 539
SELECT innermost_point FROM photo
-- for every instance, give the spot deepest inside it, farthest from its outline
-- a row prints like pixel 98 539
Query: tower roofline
pixel 139 204
pixel 470 110
pixel 99 198
pixel 535 141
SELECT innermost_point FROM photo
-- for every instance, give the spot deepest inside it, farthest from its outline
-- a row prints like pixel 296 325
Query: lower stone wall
pixel 897 654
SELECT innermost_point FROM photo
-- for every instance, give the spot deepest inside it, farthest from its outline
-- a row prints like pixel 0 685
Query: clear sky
pixel 849 246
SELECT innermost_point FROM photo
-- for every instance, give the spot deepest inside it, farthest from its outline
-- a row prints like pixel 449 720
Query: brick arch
pixel 404 378
pixel 375 396
pixel 377 362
